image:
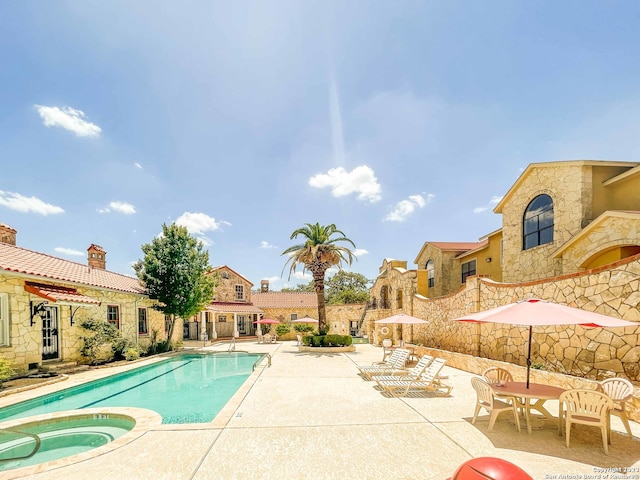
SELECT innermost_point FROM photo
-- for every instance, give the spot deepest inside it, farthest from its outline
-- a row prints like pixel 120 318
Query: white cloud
pixel 404 208
pixel 137 165
pixel 302 276
pixel 122 207
pixel 20 203
pixel 360 180
pixel 199 223
pixel 69 251
pixel 492 203
pixel 360 251
pixel 266 245
pixel 69 119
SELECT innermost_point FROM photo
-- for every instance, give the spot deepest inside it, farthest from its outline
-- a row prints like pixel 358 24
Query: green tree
pixel 174 272
pixel 318 253
pixel 347 287
pixel 301 287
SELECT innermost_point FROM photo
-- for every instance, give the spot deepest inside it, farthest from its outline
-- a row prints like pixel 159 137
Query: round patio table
pixel 540 392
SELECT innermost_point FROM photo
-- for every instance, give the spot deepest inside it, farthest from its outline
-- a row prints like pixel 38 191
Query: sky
pixel 399 122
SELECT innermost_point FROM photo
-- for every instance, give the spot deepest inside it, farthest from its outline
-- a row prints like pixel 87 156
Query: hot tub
pixel 34 444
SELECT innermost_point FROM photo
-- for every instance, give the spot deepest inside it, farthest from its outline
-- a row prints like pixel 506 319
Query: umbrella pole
pixel 529 356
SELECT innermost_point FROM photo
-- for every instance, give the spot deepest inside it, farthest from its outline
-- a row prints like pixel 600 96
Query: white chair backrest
pixel 618 389
pixel 419 367
pixel 497 375
pixel 431 372
pixel 586 403
pixel 483 390
pixel 400 359
pixel 386 343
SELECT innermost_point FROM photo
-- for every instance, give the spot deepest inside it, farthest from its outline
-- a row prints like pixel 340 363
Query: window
pixel 222 318
pixel 239 292
pixel 294 316
pixel 225 275
pixel 537 224
pixel 4 320
pixel 113 315
pixel 468 269
pixel 431 273
pixel 399 299
pixel 143 325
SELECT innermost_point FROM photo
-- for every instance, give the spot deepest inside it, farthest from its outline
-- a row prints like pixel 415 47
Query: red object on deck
pixel 483 468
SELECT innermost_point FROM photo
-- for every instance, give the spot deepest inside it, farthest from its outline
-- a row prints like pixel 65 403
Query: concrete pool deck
pixel 311 416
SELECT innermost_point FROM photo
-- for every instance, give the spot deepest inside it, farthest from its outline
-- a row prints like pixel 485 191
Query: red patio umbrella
pixel 532 312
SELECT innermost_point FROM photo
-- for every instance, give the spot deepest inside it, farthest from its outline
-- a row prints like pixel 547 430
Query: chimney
pixel 264 285
pixel 7 234
pixel 97 257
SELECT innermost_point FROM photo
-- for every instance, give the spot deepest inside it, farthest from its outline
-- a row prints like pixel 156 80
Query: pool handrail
pixel 22 457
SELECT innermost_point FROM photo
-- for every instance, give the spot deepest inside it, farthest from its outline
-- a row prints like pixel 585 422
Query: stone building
pixel 231 312
pixel 289 306
pixel 44 299
pixel 570 234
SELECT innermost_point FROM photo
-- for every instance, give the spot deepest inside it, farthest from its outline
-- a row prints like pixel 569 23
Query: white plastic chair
pixel 587 407
pixel 620 390
pixel 487 400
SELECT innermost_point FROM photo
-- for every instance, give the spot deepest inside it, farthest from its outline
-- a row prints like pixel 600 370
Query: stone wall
pixel 570 188
pixel 594 353
pixel 225 290
pixel 26 340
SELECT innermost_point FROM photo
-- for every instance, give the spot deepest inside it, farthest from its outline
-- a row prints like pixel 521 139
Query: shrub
pixel 100 334
pixel 283 329
pixel 327 340
pixel 303 328
pixel 132 353
pixel 6 370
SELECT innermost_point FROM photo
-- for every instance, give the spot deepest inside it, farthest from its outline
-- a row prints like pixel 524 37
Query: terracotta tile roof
pixel 284 299
pixel 21 260
pixel 230 307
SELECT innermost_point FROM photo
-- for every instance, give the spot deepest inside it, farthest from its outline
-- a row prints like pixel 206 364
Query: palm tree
pixel 317 254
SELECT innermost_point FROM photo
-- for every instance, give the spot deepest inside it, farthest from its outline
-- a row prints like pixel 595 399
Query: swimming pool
pixel 189 388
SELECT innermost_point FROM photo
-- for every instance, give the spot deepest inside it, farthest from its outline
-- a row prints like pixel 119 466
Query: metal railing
pixel 18 433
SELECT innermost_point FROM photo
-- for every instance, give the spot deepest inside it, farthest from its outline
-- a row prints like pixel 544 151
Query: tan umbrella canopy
pixel 401 319
pixel 532 312
pixel 305 319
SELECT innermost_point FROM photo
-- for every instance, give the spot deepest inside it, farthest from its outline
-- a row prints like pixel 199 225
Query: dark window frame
pixel 468 269
pixel 538 222
pixel 143 321
pixel 430 267
pixel 113 315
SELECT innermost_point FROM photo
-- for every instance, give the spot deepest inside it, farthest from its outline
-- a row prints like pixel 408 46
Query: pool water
pixel 190 388
pixel 59 438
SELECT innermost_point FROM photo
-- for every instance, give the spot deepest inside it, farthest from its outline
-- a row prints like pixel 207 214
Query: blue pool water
pixel 189 388
pixel 59 438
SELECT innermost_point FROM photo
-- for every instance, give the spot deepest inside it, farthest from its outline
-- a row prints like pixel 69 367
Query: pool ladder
pixel 35 437
pixel 232 345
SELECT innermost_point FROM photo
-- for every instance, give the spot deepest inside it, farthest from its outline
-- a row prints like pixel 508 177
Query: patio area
pixel 311 416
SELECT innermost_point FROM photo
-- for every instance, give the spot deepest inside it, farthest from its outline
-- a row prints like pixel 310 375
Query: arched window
pixel 537 224
pixel 431 273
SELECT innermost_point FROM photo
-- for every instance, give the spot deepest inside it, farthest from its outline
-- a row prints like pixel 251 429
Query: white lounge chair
pixel 406 373
pixel 396 361
pixel 427 382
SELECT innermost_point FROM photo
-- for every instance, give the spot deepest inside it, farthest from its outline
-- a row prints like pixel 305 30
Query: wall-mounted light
pixel 37 309
pixel 488 259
